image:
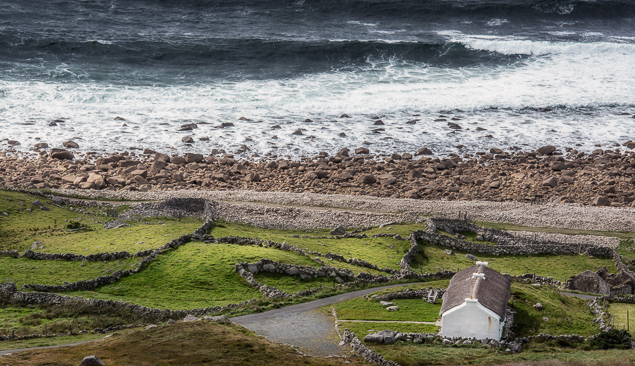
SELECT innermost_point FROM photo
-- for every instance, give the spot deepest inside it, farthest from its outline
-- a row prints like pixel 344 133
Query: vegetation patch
pixel 433 258
pixel 560 315
pixel 198 343
pixel 362 308
pixel 409 354
pixel 196 275
pixel 619 313
pixel 385 252
pixel 56 272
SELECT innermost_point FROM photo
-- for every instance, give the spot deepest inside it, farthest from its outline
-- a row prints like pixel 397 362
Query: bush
pixel 612 339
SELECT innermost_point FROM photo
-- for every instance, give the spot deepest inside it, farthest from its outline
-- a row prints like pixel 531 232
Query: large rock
pixel 193 158
pixel 471 257
pixel 423 151
pixel 97 180
pixel 550 182
pixel 546 150
pixel 338 231
pixel 92 361
pixel 601 201
pixel 367 179
pixel 62 154
pixel 70 144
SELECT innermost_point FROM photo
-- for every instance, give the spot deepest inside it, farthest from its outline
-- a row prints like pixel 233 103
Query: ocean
pixel 274 78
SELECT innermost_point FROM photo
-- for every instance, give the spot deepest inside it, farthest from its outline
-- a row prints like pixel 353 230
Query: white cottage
pixel 475 303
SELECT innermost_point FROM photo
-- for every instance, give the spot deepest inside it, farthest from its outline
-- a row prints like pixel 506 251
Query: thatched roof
pixel 491 292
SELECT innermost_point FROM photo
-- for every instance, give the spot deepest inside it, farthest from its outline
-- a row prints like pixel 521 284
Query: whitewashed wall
pixel 471 319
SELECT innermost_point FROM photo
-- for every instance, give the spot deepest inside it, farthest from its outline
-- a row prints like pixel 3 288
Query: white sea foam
pixel 589 83
pixel 527 47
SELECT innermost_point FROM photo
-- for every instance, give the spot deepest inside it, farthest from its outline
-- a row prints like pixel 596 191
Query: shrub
pixel 612 339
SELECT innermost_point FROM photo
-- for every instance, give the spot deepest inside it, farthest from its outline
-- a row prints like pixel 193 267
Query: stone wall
pixel 173 207
pixel 410 255
pixel 512 249
pixel 408 294
pixel 9 253
pixel 98 257
pixel 365 352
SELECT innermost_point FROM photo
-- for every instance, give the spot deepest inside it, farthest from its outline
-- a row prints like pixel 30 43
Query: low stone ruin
pixel 602 282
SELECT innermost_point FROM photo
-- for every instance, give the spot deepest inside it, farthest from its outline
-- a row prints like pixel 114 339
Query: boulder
pixel 187 139
pixel 92 361
pixel 338 231
pixel 392 308
pixel 190 318
pixel 97 180
pixel 550 182
pixel 193 158
pixel 367 179
pixel 362 150
pixel 62 154
pixel 471 257
pixel 423 151
pixel 70 144
pixel 546 150
pixel 601 201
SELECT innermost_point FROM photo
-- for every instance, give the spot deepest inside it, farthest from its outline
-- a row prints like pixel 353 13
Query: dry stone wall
pixel 508 245
pixel 9 253
pixel 365 352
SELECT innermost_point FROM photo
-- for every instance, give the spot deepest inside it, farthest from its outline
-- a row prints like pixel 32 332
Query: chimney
pixel 478 275
pixel 479 263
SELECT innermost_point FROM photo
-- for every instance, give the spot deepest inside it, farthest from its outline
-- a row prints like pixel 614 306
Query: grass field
pixel 55 272
pixel 561 314
pixel 384 252
pixel 560 267
pixel 150 233
pixel 369 309
pixel 51 229
pixel 196 275
pixel 618 311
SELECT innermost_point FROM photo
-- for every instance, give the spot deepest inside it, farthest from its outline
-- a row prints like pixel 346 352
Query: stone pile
pixel 600 178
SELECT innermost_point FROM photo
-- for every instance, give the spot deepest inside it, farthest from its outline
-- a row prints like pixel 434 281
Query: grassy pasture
pixel 196 275
pixel 384 252
pixel 560 267
pixel 46 272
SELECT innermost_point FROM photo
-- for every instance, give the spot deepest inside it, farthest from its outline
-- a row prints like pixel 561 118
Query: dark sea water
pixel 527 72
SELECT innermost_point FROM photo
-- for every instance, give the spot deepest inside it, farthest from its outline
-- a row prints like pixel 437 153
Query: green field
pixel 560 267
pixel 55 272
pixel 369 309
pixel 196 275
pixel 384 252
pixel 618 311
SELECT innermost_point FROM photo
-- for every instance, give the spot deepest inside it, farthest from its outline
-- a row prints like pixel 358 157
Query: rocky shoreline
pixel 601 178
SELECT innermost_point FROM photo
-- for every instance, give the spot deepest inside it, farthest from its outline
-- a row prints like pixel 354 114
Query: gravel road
pixel 354 211
pixel 302 325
